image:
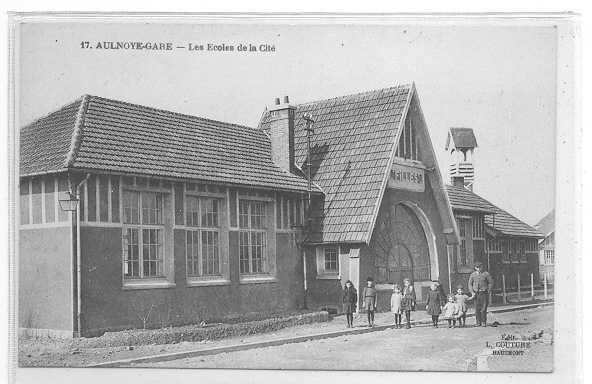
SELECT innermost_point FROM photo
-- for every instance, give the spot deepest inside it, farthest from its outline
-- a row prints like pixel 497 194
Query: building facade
pixel 504 244
pixel 547 247
pixel 182 219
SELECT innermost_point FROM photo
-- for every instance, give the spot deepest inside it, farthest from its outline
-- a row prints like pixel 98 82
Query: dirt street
pixel 418 349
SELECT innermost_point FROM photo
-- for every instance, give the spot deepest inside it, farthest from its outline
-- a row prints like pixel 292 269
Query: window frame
pixel 196 229
pixel 323 273
pixel 143 226
pixel 248 231
pixel 549 254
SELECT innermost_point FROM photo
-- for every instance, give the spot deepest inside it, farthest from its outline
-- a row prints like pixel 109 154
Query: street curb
pixel 287 340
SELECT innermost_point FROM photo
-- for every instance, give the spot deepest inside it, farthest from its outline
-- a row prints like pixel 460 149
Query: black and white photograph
pixel 327 194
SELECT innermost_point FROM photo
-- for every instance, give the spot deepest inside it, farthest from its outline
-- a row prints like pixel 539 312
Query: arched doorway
pixel 400 247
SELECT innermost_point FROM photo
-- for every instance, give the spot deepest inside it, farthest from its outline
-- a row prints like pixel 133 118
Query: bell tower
pixel 460 146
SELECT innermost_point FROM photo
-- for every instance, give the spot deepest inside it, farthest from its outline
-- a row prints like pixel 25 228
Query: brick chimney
pixel 281 132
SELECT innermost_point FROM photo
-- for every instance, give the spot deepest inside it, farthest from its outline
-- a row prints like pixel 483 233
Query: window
pixel 478 225
pixel 203 237
pixel 462 251
pixel 328 261
pixel 252 237
pixel 143 235
pixel 513 250
pixel 522 255
pixel 494 246
pixel 463 246
pixel 549 257
pixel 408 146
pixel 506 252
pixel 331 259
pixel 531 245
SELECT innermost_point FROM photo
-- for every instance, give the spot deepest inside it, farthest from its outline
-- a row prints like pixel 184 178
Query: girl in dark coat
pixel 434 303
pixel 408 301
pixel 350 300
pixel 370 296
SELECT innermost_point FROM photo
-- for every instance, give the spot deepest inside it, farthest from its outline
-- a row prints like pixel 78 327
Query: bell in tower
pixel 460 145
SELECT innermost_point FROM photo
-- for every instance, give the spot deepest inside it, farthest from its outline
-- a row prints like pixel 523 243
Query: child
pixel 461 299
pixel 408 301
pixel 434 303
pixel 451 311
pixel 350 300
pixel 370 297
pixel 396 298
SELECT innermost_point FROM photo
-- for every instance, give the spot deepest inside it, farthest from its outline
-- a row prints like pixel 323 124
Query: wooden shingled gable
pixel 352 150
pixel 103 135
pixel 496 218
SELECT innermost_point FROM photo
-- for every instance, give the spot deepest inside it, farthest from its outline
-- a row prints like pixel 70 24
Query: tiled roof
pixel 45 143
pixel 547 224
pixel 115 136
pixel 463 137
pixel 501 221
pixel 353 139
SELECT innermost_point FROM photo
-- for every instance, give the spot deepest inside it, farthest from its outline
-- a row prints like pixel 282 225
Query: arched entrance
pixel 401 247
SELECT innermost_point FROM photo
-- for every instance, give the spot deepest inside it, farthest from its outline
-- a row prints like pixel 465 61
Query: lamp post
pixel 69 203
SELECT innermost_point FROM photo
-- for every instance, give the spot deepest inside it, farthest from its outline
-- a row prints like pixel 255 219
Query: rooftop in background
pixel 547 224
pixel 496 218
pixel 98 134
pixel 461 138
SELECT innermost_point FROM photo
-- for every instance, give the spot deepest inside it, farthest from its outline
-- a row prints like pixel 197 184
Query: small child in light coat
pixel 396 299
pixel 461 300
pixel 451 311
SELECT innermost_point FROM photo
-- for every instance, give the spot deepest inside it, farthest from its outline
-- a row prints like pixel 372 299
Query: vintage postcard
pixel 316 194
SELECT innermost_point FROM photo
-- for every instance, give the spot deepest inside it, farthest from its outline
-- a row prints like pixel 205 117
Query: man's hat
pixel 369 279
pixel 478 264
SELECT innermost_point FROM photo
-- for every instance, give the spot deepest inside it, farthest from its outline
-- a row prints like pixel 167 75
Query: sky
pixel 500 80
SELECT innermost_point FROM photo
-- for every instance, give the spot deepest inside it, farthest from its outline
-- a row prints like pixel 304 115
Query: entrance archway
pixel 404 245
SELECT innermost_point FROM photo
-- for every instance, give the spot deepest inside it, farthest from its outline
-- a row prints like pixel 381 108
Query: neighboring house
pixel 506 245
pixel 547 246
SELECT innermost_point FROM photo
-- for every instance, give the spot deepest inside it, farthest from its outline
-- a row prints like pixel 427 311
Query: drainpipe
pixel 448 247
pixel 78 259
pixel 305 280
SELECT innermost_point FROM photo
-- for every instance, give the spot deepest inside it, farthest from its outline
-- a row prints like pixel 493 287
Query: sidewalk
pixel 336 328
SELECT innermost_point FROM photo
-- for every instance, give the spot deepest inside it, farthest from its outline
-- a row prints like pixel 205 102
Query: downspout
pixel 448 247
pixel 78 260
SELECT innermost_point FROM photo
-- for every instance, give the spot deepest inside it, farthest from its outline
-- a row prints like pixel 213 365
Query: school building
pixel 176 219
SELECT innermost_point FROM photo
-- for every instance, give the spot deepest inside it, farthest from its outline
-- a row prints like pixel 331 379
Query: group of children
pixel 403 301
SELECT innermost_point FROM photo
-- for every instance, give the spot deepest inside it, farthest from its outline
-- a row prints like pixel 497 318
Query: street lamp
pixel 68 202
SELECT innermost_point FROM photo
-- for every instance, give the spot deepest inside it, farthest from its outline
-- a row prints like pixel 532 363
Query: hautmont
pixel 134 45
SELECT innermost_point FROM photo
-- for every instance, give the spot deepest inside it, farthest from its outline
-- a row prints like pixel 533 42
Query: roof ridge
pixel 77 132
pixel 174 113
pixel 409 85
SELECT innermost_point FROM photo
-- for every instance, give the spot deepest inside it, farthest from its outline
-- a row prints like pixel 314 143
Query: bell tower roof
pixel 461 138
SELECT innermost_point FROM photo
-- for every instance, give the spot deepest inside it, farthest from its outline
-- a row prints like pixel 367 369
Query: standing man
pixel 480 284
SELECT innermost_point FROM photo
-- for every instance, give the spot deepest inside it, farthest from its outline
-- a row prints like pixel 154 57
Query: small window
pixel 328 262
pixel 549 257
pixel 514 257
pixel 505 252
pixel 522 254
pixel 331 259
